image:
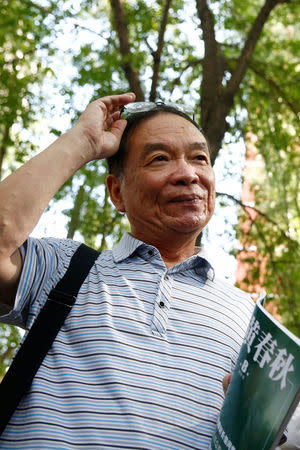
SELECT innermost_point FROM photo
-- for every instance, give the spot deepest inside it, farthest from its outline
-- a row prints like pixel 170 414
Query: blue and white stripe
pixel 140 359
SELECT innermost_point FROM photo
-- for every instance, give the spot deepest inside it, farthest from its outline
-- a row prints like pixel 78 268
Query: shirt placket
pixel 162 305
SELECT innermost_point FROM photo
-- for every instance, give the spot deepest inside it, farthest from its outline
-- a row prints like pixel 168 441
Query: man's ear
pixel 114 185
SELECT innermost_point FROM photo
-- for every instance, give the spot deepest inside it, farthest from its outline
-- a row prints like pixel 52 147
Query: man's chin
pixel 187 226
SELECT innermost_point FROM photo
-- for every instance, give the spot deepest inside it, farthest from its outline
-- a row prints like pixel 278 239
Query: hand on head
pixel 100 124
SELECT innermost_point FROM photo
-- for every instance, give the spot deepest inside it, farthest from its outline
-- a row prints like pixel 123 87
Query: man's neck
pixel 172 250
pixel 171 260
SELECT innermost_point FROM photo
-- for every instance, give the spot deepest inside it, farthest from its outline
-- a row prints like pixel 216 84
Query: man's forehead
pixel 163 121
pixel 157 145
pixel 165 130
pixel 157 116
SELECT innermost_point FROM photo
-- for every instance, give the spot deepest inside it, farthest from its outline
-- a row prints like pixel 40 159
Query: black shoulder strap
pixel 43 332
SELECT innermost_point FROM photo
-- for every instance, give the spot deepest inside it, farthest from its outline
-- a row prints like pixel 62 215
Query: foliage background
pixel 235 61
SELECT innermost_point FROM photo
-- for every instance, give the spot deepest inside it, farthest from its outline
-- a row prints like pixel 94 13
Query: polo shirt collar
pixel 128 245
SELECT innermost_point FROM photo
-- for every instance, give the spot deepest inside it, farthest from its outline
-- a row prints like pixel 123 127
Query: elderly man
pixel 140 359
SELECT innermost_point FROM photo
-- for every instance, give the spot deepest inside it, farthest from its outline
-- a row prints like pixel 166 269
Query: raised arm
pixel 25 194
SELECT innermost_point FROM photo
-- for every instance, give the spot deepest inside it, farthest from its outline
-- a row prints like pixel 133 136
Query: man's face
pixel 168 185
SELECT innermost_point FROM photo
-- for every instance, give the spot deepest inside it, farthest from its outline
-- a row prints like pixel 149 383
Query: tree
pixel 144 47
pixel 21 33
pixel 25 29
pixel 208 53
pixel 275 128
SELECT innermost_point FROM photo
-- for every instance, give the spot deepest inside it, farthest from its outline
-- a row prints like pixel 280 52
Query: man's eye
pixel 201 158
pixel 159 158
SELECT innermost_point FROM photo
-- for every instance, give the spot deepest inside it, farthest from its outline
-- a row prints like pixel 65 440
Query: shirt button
pixel 161 304
pixel 166 277
pixel 150 252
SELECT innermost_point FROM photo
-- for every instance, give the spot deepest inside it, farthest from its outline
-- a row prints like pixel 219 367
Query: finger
pixel 115 102
pixel 116 115
pixel 111 118
pixel 118 127
pixel 112 104
pixel 225 382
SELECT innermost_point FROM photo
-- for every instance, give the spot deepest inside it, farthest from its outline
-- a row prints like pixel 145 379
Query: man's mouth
pixel 191 198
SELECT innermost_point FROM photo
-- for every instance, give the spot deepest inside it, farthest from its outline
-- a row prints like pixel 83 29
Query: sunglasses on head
pixel 138 107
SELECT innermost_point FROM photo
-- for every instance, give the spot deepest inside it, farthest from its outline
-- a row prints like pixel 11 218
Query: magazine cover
pixel 264 389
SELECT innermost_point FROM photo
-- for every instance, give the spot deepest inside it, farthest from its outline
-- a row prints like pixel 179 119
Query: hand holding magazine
pixel 264 389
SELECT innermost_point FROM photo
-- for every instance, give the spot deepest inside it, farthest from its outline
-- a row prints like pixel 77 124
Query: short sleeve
pixel 44 263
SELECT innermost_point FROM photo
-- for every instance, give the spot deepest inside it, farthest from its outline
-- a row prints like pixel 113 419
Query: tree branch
pixel 177 80
pixel 250 43
pixel 157 53
pixel 214 105
pixel 122 32
pixel 258 211
pixel 274 86
pixel 149 47
pixel 82 27
pixel 75 215
pixel 40 8
pixel 47 11
pixel 282 285
pixel 212 69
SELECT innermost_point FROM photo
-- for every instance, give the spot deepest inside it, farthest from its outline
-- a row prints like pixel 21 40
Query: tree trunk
pixel 75 213
pixel 214 122
pixel 217 98
pixel 131 72
pixel 158 52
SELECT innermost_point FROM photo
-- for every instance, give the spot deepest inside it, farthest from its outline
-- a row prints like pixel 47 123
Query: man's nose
pixel 184 173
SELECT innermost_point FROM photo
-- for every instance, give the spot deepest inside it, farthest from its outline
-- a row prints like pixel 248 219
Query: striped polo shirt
pixel 140 360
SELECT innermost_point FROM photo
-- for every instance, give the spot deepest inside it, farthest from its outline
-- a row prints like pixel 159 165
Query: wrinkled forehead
pixel 163 122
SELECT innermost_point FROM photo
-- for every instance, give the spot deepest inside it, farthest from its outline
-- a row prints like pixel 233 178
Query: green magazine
pixel 265 387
